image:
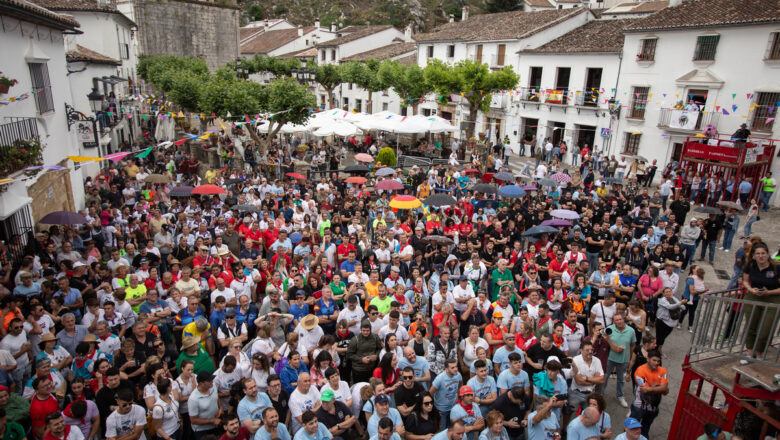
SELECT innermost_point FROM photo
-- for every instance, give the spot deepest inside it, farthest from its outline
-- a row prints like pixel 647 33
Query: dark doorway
pixel 592 85
pixel 586 134
pixel 562 82
pixel 534 84
pixel 677 151
pixel 558 129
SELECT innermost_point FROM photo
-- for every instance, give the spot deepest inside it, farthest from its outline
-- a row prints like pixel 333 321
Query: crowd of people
pixel 309 309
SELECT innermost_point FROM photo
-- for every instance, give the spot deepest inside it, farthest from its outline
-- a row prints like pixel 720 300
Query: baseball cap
pixel 498 315
pixel 327 396
pixel 382 398
pixel 205 376
pixel 465 390
pixel 463 278
pixel 230 313
pixel 631 423
pixel 78 264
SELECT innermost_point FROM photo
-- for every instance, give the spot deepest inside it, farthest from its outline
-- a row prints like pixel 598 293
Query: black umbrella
pixel 439 200
pixel 708 210
pixel 232 181
pixel 356 169
pixel 504 177
pixel 63 218
pixel 439 239
pixel 539 230
pixel 181 191
pixel 484 188
pixel 245 208
pixel 730 205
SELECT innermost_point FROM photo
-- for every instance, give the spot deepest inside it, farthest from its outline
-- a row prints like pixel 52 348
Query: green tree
pixel 287 101
pixel 492 6
pixel 187 89
pixel 473 79
pixel 273 65
pixel 224 95
pixel 386 157
pixel 329 76
pixel 255 12
pixel 366 76
pixel 408 82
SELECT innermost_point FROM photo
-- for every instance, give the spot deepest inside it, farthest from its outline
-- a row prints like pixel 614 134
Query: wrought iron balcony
pixel 19 145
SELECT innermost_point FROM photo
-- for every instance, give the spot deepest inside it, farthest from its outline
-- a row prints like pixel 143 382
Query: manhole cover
pixel 722 274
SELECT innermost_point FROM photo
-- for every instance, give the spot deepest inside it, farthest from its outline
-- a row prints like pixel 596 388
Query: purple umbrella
pixel 530 188
pixel 63 218
pixel 389 185
pixel 564 213
pixel 556 222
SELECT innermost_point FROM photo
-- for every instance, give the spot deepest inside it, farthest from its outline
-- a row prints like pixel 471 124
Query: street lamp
pixel 614 107
pixel 95 100
pixel 241 70
pixel 304 76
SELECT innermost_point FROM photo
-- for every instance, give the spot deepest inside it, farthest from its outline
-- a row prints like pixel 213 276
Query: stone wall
pixel 189 27
pixel 51 192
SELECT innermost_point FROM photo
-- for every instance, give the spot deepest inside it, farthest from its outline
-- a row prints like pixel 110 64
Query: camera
pixel 561 397
pixel 606 331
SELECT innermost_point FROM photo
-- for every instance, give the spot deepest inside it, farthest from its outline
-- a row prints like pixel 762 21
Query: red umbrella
pixel 389 185
pixel 487 177
pixel 356 179
pixel 471 171
pixel 208 189
pixel 296 176
pixel 363 157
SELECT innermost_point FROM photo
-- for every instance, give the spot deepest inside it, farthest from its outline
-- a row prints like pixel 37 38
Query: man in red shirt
pixel 203 258
pixel 255 234
pixel 233 429
pixel 558 266
pixel 42 404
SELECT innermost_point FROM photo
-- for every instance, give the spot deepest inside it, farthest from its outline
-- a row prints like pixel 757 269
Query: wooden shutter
pixel 501 54
pixel 479 53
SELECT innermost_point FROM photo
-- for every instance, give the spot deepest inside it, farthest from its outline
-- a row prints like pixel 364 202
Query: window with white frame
pixel 773 51
pixel 39 74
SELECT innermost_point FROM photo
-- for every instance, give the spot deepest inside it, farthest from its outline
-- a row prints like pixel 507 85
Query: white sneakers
pixel 622 402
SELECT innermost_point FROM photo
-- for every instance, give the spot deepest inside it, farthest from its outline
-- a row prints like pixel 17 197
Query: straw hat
pixel 189 341
pixel 309 322
pixel 90 338
pixel 46 338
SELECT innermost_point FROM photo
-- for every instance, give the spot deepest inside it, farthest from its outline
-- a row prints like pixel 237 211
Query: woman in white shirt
pixel 242 360
pixel 186 384
pixel 467 350
pixel 165 412
pixel 261 369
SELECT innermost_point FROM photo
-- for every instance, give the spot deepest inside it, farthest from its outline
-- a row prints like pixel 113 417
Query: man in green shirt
pixel 382 302
pixel 501 277
pixel 192 350
pixel 10 430
pixel 621 339
pixel 15 407
pixel 135 293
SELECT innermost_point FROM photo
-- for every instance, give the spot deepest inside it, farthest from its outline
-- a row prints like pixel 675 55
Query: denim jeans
pixel 749 225
pixel 593 260
pixel 728 237
pixel 574 159
pixel 620 174
pixel 708 244
pixel 736 276
pixel 689 251
pixel 764 198
pixel 621 376
pixel 645 418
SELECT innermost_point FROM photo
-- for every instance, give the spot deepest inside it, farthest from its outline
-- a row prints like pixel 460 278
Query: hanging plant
pixel 21 154
pixel 6 83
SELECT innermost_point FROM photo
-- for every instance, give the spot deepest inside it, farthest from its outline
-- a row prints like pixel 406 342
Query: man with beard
pixel 233 429
pixel 272 429
pixel 56 429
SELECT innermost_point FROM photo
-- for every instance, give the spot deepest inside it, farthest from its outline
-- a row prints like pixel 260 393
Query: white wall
pixel 18 40
pixel 739 63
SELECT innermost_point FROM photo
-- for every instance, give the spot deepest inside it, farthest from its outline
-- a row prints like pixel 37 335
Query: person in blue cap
pixel 633 430
pixel 715 432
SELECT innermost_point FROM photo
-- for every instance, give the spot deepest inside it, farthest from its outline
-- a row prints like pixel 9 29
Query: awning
pixel 10 202
pixel 111 80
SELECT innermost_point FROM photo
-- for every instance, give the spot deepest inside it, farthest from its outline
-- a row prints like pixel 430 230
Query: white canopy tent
pixel 337 128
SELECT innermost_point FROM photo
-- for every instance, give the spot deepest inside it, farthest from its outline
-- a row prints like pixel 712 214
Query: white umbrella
pixel 434 124
pixel 337 128
pixel 318 120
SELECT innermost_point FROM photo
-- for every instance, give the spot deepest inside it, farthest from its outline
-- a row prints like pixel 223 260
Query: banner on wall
pixel 697 150
pixel 86 132
pixel 683 119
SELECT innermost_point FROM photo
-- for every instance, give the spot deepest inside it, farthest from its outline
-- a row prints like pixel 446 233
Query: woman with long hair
pixel 761 282
pixel 694 286
pixel 424 420
pixel 597 401
pixel 391 346
pixel 388 372
pixel 667 307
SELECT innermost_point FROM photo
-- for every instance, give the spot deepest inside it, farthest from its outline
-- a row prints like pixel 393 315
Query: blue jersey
pixel 446 391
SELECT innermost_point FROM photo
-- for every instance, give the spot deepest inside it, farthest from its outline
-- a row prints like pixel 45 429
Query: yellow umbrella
pixel 405 202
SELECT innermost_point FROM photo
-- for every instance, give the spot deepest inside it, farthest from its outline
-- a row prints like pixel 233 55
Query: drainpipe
pixel 613 133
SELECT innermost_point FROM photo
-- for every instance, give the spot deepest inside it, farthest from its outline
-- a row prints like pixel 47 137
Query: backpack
pixel 675 314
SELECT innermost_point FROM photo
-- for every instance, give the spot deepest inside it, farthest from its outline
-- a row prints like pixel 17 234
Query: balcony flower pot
pixel 6 83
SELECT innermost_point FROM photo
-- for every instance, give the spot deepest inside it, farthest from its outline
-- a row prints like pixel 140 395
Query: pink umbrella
pixel 389 185
pixel 363 157
pixel 208 189
pixel 116 157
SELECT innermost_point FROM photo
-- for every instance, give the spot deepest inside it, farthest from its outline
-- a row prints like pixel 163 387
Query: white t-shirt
pixel 228 294
pixel 602 312
pixel 223 381
pixel 437 299
pixel 458 292
pixel 470 350
pixel 118 425
pixel 299 403
pixel 353 315
pixel 46 324
pixel 13 344
pixel 400 333
pixel 242 288
pixel 573 337
pixel 586 370
pixel 342 394
pixel 169 413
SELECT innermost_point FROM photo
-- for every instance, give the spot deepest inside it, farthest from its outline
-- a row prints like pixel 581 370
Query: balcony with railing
pixel 530 94
pixel 587 98
pixel 686 121
pixel 19 145
pixel 557 96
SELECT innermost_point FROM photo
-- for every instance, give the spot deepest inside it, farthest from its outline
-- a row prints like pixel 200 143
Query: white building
pixel 498 40
pixel 102 58
pixel 724 55
pixel 634 9
pixel 33 53
pixel 279 39
pixel 565 85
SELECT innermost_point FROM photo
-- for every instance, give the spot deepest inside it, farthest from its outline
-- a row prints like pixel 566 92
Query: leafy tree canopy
pixel 408 82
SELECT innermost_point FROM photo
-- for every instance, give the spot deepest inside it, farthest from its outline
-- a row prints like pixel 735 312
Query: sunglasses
pixel 374 313
pixel 158 345
pixel 408 377
pixel 428 402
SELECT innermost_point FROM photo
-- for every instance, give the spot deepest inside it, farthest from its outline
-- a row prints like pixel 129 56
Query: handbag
pixel 675 313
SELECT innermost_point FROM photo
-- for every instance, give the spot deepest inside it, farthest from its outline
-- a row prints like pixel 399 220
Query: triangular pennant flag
pixel 246 118
pixel 228 115
pixel 144 153
pixel 734 107
pixel 725 112
pixel 733 96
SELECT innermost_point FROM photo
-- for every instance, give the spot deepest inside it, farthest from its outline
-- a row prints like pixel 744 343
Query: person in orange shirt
pixel 652 383
pixel 494 332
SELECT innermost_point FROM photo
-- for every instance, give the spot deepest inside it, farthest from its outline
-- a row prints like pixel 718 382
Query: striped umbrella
pixel 561 177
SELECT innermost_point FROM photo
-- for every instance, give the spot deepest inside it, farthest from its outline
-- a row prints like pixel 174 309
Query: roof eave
pixel 30 15
pixel 700 26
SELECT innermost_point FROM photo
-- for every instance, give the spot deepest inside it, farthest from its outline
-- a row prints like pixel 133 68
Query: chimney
pixel 300 31
pixel 452 18
pixel 317 24
pixel 408 34
pixel 464 14
pixel 673 3
pixel 333 27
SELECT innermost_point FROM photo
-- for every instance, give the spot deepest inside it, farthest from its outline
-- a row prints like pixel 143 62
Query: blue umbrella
pixel 511 192
pixel 385 171
pixel 296 237
pixel 539 230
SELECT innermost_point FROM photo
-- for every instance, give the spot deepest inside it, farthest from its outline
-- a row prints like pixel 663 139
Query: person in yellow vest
pixel 135 293
pixel 768 185
pixel 423 190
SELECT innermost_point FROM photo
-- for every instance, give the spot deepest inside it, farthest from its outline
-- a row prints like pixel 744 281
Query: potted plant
pixel 6 83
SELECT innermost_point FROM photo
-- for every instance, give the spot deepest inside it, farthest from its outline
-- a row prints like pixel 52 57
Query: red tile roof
pixel 83 54
pixel 706 13
pixel 501 26
pixel 597 36
pixel 271 40
pixel 8 7
pixel 539 3
pixel 108 6
pixel 352 33
pixel 389 51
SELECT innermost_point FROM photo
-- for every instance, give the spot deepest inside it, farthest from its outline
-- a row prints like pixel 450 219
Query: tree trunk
pixel 370 106
pixel 415 106
pixel 330 97
pixel 472 123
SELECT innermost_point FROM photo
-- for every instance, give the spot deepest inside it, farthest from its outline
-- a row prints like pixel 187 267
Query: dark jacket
pixel 360 347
